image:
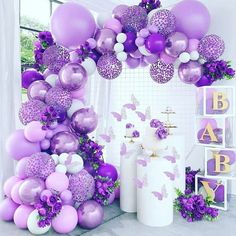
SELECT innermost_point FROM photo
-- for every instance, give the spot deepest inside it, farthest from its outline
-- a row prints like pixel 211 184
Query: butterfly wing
pixel 176 171
pixel 123 114
pixel 130 106
pixel 111 133
pixel 117 116
pixel 123 149
pixel 142 162
pixel 170 175
pixel 172 159
pixel 139 183
pixel 158 195
pixel 105 137
pixel 164 192
pixel 175 153
pixel 141 115
pixel 148 113
pixel 134 100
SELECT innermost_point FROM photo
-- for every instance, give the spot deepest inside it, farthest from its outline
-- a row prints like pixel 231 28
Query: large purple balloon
pixel 38 89
pixel 64 142
pixel 72 24
pixel 84 121
pixel 73 76
pixel 129 43
pixel 191 72
pixel 90 214
pixel 192 18
pixel 108 170
pixel 106 39
pixel 176 43
pixel 29 76
pixel 30 190
pixel 155 43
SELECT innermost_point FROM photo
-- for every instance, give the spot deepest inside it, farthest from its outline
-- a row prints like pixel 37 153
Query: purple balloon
pixel 90 214
pixel 46 73
pixel 155 43
pixel 21 168
pixel 211 164
pixel 209 107
pixel 129 43
pixel 191 72
pixel 9 184
pixel 119 11
pixel 38 89
pixel 114 25
pixel 30 190
pixel 192 18
pixel 72 24
pixel 89 168
pixel 29 76
pixel 137 54
pixel 21 216
pixel 176 43
pixel 206 140
pixel 230 154
pixel 84 121
pixel 220 194
pixel 204 122
pixel 108 170
pixel 151 59
pixel 204 81
pixel 166 58
pixel 73 76
pixel 7 209
pixel 64 142
pixel 132 62
pixel 106 40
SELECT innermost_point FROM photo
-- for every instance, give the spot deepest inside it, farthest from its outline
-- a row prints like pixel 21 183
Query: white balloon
pixel 63 158
pixel 102 18
pixel 121 37
pixel 144 51
pixel 201 61
pixel 184 57
pixel 177 63
pixel 76 165
pixel 121 56
pixel 61 168
pixel 75 106
pixel 194 55
pixel 32 224
pixel 89 65
pixel 51 79
pixel 55 158
pixel 119 47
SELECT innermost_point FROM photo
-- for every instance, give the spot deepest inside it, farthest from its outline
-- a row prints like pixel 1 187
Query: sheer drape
pixel 9 80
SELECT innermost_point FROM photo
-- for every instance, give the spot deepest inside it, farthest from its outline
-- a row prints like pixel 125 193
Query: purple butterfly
pixel 142 183
pixel 146 116
pixel 161 195
pixel 170 158
pixel 108 137
pixel 144 162
pixel 130 106
pixel 123 149
pixel 121 116
pixel 170 175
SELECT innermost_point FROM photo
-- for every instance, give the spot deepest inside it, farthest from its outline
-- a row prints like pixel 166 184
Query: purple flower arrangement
pixel 85 51
pixel 135 134
pixel 161 130
pixel 48 207
pixel 49 117
pixel 150 5
pixel 129 126
pixel 190 180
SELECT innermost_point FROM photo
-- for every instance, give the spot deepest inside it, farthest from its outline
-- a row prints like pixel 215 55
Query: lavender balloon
pixel 155 43
pixel 106 39
pixel 29 76
pixel 84 121
pixel 38 89
pixel 132 62
pixel 129 43
pixel 90 214
pixel 30 190
pixel 191 72
pixel 73 76
pixel 176 43
pixel 64 142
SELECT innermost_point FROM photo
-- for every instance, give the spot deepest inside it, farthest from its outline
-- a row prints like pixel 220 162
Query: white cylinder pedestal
pixel 154 192
pixel 128 175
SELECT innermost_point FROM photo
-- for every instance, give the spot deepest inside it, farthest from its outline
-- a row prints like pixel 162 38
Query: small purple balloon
pixel 204 81
pixel 155 43
pixel 151 59
pixel 84 121
pixel 38 89
pixel 132 62
pixel 176 43
pixel 190 72
pixel 114 25
pixel 29 76
pixel 106 40
pixel 30 190
pixel 90 214
pixel 119 11
pixel 64 142
pixel 220 194
pixel 73 76
pixel 129 43
pixel 108 170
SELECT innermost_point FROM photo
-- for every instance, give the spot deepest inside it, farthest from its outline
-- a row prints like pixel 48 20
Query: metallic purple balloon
pixel 30 190
pixel 108 170
pixel 204 81
pixel 64 142
pixel 176 43
pixel 90 214
pixel 106 39
pixel 29 76
pixel 132 63
pixel 191 72
pixel 129 43
pixel 119 11
pixel 72 76
pixel 84 121
pixel 38 89
pixel 155 43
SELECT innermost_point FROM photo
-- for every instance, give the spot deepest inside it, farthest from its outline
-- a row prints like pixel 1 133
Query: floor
pixel 118 223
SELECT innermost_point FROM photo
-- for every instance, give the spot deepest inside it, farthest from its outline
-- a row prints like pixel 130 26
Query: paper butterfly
pixel 174 175
pixel 144 162
pixel 142 183
pixel 162 194
pixel 172 159
pixel 146 116
pixel 108 137
pixel 121 116
pixel 133 105
pixel 175 153
pixel 123 149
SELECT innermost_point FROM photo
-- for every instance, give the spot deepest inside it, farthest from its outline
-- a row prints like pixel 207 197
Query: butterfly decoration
pixel 146 116
pixel 161 195
pixel 108 137
pixel 120 116
pixel 173 176
pixel 171 159
pixel 123 149
pixel 141 183
pixel 144 162
pixel 133 105
pixel 175 153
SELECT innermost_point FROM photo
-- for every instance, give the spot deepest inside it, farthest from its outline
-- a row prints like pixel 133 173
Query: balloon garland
pixel 61 179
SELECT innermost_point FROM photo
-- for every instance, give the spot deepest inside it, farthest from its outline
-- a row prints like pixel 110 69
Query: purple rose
pixel 155 123
pixel 161 133
pixel 135 134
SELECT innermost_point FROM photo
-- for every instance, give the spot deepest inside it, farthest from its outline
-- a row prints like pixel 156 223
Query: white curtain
pixel 10 80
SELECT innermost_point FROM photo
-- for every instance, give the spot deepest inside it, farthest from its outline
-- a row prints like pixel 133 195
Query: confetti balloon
pixel 211 47
pixel 165 21
pixel 55 57
pixel 109 67
pixel 161 72
pixel 134 19
pixel 119 11
pixel 29 76
pixel 59 99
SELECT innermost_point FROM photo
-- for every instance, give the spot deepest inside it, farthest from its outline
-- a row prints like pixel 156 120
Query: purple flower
pixel 155 123
pixel 161 133
pixel 135 134
pixel 57 207
pixel 42 211
pixel 129 125
pixel 53 199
